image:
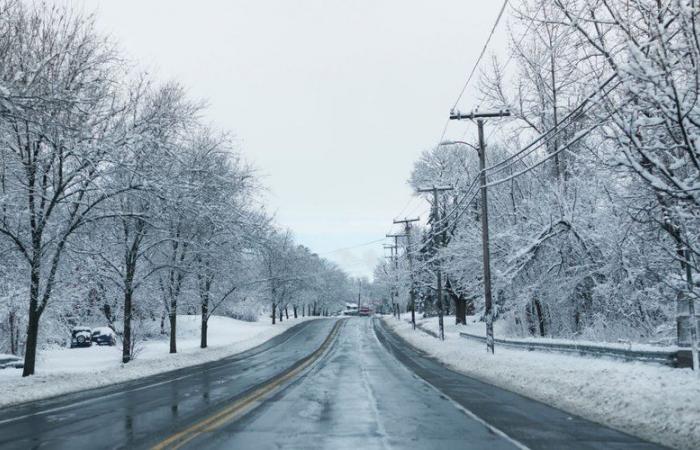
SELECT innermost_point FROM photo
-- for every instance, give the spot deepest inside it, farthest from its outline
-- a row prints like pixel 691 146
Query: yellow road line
pixel 246 404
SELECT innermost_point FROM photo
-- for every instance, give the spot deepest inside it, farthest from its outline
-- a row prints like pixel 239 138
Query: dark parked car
pixel 81 337
pixel 103 336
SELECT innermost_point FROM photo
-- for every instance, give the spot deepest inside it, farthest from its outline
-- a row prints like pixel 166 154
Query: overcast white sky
pixel 332 100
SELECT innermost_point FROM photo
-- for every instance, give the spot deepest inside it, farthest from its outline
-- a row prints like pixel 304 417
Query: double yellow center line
pixel 248 402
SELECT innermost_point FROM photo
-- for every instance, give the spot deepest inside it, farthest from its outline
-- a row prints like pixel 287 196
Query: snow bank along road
pixel 322 384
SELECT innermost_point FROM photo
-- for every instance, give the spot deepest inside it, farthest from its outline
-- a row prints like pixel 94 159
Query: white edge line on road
pixel 140 388
pixel 466 411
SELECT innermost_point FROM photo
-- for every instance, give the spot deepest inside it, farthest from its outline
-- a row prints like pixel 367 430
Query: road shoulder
pixel 527 420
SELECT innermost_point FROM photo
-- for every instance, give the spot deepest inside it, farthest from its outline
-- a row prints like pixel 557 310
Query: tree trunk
pixel 529 312
pixel 33 319
pixel 295 311
pixel 540 317
pixel 286 312
pixel 32 337
pixel 274 313
pixel 13 335
pixel 205 319
pixel 460 310
pixel 126 336
pixel 173 328
pixel 281 314
pixel 303 310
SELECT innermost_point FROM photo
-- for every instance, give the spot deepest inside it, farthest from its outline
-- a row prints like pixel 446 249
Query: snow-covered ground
pixel 478 328
pixel 97 366
pixel 652 401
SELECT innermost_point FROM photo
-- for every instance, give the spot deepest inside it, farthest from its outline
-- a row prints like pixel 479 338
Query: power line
pixel 576 111
pixel 466 84
pixel 471 192
pixel 538 142
pixel 352 247
pixel 510 55
pixel 481 55
pixel 571 142
pixel 543 139
pixel 410 200
pixel 559 128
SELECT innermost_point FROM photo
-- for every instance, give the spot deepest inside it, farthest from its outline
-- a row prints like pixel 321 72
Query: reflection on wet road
pixel 357 397
pixel 138 414
pixel 356 387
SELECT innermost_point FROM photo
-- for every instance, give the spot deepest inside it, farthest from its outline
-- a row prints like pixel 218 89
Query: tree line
pixel 593 182
pixel 119 204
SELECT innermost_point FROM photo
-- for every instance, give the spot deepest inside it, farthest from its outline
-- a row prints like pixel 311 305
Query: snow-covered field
pixel 57 369
pixel 652 401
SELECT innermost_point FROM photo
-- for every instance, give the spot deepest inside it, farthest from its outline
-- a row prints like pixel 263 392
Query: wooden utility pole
pixel 396 271
pixel 392 248
pixel 488 297
pixel 440 242
pixel 412 291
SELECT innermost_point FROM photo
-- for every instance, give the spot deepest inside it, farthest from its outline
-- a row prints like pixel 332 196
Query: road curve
pixel 141 413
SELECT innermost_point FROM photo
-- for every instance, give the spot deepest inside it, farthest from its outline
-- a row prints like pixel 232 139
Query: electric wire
pixel 365 244
pixel 469 78
pixel 541 140
pixel 481 55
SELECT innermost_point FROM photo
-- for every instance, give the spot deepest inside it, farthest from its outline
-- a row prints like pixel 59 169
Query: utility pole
pixel 440 242
pixel 359 291
pixel 412 291
pixel 488 298
pixel 392 248
pixel 396 270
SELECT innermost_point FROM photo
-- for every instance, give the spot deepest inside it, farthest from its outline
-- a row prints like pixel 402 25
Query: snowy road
pixel 363 388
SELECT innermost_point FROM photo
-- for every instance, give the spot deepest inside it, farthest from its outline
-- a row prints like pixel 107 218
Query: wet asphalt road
pixel 357 397
pixel 141 413
pixel 368 391
pixel 533 424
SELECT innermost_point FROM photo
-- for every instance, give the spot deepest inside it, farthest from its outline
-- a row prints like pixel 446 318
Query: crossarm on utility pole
pixel 456 115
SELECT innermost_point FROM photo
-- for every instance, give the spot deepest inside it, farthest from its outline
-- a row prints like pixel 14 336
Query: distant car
pixel 365 311
pixel 11 362
pixel 103 336
pixel 81 337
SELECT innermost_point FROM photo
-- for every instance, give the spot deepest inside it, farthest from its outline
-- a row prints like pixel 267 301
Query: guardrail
pixel 668 358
